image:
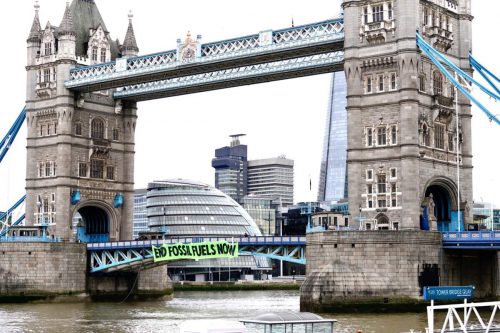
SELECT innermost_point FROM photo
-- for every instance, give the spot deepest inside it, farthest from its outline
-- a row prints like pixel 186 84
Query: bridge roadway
pixel 130 255
pixel 472 240
pixel 267 56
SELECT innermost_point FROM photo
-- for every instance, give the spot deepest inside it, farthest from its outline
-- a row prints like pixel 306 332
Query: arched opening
pixel 439 207
pixel 93 224
pixel 382 222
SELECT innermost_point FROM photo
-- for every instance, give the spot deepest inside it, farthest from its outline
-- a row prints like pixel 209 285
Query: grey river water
pixel 165 316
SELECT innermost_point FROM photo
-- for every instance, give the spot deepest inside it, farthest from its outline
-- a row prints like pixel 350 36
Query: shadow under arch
pixel 439 203
pixel 97 222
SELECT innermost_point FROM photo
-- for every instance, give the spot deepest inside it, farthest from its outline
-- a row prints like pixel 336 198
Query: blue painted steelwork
pixel 485 73
pixel 118 201
pixel 125 255
pixel 436 58
pixel 5 216
pixel 15 239
pixel 11 134
pixel 75 197
pixel 478 240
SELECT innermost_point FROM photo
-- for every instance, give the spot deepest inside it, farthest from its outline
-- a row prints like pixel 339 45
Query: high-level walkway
pixel 267 56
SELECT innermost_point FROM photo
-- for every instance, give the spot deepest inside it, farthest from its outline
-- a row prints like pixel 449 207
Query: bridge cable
pixel 430 53
pixel 485 73
pixel 9 138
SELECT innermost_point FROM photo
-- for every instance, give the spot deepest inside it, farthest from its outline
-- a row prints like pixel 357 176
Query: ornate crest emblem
pixel 187 50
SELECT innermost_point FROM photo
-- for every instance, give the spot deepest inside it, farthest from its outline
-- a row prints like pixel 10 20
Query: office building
pixel 230 164
pixel 333 172
pixel 140 223
pixel 262 212
pixel 271 178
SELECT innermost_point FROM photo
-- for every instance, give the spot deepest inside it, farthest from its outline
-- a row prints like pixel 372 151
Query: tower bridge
pixel 408 132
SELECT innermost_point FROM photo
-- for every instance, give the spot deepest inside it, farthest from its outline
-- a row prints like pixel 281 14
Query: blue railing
pixel 472 239
pixel 252 240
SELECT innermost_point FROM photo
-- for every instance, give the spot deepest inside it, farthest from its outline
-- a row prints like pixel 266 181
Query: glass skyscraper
pixel 333 174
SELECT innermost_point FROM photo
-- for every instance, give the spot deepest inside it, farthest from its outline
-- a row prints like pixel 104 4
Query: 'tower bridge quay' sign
pixel 448 292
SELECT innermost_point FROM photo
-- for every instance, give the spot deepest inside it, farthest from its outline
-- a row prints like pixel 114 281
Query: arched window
pixel 78 128
pixel 103 55
pixel 97 129
pixel 437 80
pixel 94 53
pixel 426 138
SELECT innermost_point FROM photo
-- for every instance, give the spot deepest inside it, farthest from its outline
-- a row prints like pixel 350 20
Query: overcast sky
pixel 176 137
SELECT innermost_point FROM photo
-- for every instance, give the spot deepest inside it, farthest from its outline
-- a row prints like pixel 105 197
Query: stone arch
pixel 438 200
pixel 383 222
pixel 98 217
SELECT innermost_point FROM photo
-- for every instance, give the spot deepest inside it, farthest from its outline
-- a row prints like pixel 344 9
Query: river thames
pixel 165 316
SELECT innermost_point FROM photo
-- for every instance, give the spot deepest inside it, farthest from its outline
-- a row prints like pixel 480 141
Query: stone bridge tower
pixel 80 147
pixel 402 133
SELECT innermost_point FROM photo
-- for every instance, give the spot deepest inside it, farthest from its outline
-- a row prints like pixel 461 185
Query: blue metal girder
pixel 235 77
pixel 472 240
pixel 269 46
pixel 5 216
pixel 11 134
pixel 126 255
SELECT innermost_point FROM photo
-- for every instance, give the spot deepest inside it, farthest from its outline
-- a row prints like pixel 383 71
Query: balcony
pixel 100 145
pixel 441 39
pixel 375 32
pixel 45 89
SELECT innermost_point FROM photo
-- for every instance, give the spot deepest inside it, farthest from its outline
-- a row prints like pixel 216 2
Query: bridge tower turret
pixel 80 147
pixel 402 133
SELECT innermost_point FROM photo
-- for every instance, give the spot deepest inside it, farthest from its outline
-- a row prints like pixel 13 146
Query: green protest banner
pixel 204 250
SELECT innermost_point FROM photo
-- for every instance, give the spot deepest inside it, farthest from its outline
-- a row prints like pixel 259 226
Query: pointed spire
pixel 129 46
pixel 66 26
pixel 35 27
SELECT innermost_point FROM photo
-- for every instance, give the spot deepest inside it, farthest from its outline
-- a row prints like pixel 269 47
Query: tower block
pixel 402 133
pixel 80 147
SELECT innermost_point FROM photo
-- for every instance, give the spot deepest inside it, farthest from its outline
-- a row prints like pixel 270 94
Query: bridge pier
pixel 47 271
pixel 368 270
pixel 150 283
pixel 472 267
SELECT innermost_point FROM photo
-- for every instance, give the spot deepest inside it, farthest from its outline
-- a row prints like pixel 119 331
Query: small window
pixel 346 221
pixel 103 55
pixel 94 53
pixel 48 48
pixel 394 202
pixel 97 129
pixel 97 168
pixel 365 15
pixel 438 83
pixel 55 128
pixel 422 83
pixel 381 184
pixel 393 81
pixel 82 169
pixel 46 75
pixel 393 188
pixel 426 16
pixel 48 129
pixel 368 84
pixel 369 174
pixel 78 128
pixel 394 135
pixel 389 11
pixel 48 169
pixel 381 136
pixel 439 136
pixel 393 172
pixel 426 136
pixel 369 188
pixel 53 197
pixel 450 141
pixel 41 130
pixel 368 226
pixel 369 137
pixel 377 13
pixel 381 83
pixel 382 203
pixel 110 172
pixel 370 203
pixel 395 225
pixel 115 134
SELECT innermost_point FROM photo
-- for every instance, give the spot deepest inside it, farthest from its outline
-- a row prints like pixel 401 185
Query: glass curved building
pixel 183 208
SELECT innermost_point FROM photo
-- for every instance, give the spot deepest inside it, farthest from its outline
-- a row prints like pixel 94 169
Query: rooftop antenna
pixel 235 139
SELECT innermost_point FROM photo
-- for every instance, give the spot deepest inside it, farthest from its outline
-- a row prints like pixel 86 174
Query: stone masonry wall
pixel 38 270
pixel 367 267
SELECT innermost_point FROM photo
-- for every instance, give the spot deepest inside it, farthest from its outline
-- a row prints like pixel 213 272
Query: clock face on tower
pixel 188 54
